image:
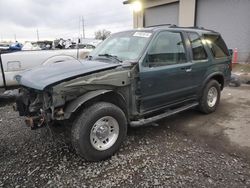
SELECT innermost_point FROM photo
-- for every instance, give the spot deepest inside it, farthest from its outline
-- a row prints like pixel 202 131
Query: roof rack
pixel 129 1
pixel 176 26
pixel 194 27
pixel 181 27
pixel 169 25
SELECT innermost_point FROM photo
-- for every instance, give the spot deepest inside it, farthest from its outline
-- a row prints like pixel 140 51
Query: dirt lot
pixel 186 150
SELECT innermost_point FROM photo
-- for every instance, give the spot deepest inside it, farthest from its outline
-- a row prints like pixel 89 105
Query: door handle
pixel 187 69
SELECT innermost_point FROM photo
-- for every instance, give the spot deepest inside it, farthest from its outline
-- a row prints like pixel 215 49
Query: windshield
pixel 122 46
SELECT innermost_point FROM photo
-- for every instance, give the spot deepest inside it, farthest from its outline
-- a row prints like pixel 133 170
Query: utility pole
pixel 37 34
pixel 83 29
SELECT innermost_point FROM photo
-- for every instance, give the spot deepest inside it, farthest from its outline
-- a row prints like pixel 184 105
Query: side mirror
pixel 231 52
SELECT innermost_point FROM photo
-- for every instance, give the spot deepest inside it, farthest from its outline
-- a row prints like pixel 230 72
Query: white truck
pixel 13 63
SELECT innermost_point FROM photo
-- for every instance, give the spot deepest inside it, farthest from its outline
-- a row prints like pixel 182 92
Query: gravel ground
pixel 158 156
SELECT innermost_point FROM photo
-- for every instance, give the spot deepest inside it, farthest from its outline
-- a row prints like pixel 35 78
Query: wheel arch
pixel 215 76
pixel 94 96
pixel 58 59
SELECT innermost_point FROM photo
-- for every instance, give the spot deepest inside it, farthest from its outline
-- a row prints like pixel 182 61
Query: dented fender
pixel 75 104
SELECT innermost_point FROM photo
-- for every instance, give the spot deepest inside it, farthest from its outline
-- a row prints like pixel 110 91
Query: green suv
pixel 133 78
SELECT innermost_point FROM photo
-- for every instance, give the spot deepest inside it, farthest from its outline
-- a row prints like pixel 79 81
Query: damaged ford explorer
pixel 133 78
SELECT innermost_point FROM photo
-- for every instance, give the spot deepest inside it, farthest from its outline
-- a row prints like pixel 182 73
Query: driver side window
pixel 166 49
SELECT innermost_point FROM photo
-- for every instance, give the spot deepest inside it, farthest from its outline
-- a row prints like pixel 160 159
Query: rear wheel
pixel 210 97
pixel 99 131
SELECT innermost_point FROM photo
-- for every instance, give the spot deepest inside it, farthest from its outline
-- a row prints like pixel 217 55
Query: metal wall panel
pixel 163 14
pixel 231 18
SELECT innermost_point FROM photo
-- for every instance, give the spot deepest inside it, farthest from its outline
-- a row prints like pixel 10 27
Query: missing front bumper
pixel 35 122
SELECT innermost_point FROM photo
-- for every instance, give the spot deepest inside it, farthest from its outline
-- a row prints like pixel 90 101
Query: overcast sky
pixel 61 18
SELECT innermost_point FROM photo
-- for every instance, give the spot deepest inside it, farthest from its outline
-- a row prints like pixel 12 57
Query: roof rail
pixel 175 26
pixel 194 27
pixel 129 1
pixel 169 25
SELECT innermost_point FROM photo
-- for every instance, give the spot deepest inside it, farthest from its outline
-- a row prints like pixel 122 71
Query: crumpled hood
pixel 45 75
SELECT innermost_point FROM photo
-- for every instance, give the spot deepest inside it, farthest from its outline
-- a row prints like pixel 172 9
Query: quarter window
pixel 217 46
pixel 198 50
pixel 167 49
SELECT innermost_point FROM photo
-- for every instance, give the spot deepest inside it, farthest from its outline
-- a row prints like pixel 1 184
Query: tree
pixel 102 34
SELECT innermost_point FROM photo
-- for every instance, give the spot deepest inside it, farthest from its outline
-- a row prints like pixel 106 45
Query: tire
pixel 210 106
pixel 237 83
pixel 94 122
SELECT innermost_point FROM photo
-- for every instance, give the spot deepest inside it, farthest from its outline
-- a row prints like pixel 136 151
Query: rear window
pixel 216 45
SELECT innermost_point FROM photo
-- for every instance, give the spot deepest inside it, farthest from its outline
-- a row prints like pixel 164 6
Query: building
pixel 229 17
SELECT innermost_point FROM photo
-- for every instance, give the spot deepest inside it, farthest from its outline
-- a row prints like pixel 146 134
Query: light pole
pixel 137 8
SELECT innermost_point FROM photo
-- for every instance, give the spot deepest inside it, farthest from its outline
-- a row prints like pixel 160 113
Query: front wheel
pixel 210 97
pixel 99 131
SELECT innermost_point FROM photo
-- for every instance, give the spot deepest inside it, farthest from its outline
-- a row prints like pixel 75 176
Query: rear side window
pixel 198 50
pixel 216 45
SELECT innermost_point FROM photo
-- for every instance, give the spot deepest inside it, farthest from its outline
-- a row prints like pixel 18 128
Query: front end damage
pixel 41 101
pixel 57 102
pixel 35 106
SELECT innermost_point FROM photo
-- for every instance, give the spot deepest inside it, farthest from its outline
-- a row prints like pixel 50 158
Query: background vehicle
pixel 4 47
pixel 133 78
pixel 16 62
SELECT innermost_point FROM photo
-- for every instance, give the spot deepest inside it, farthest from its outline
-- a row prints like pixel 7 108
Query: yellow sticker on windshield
pixel 142 34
